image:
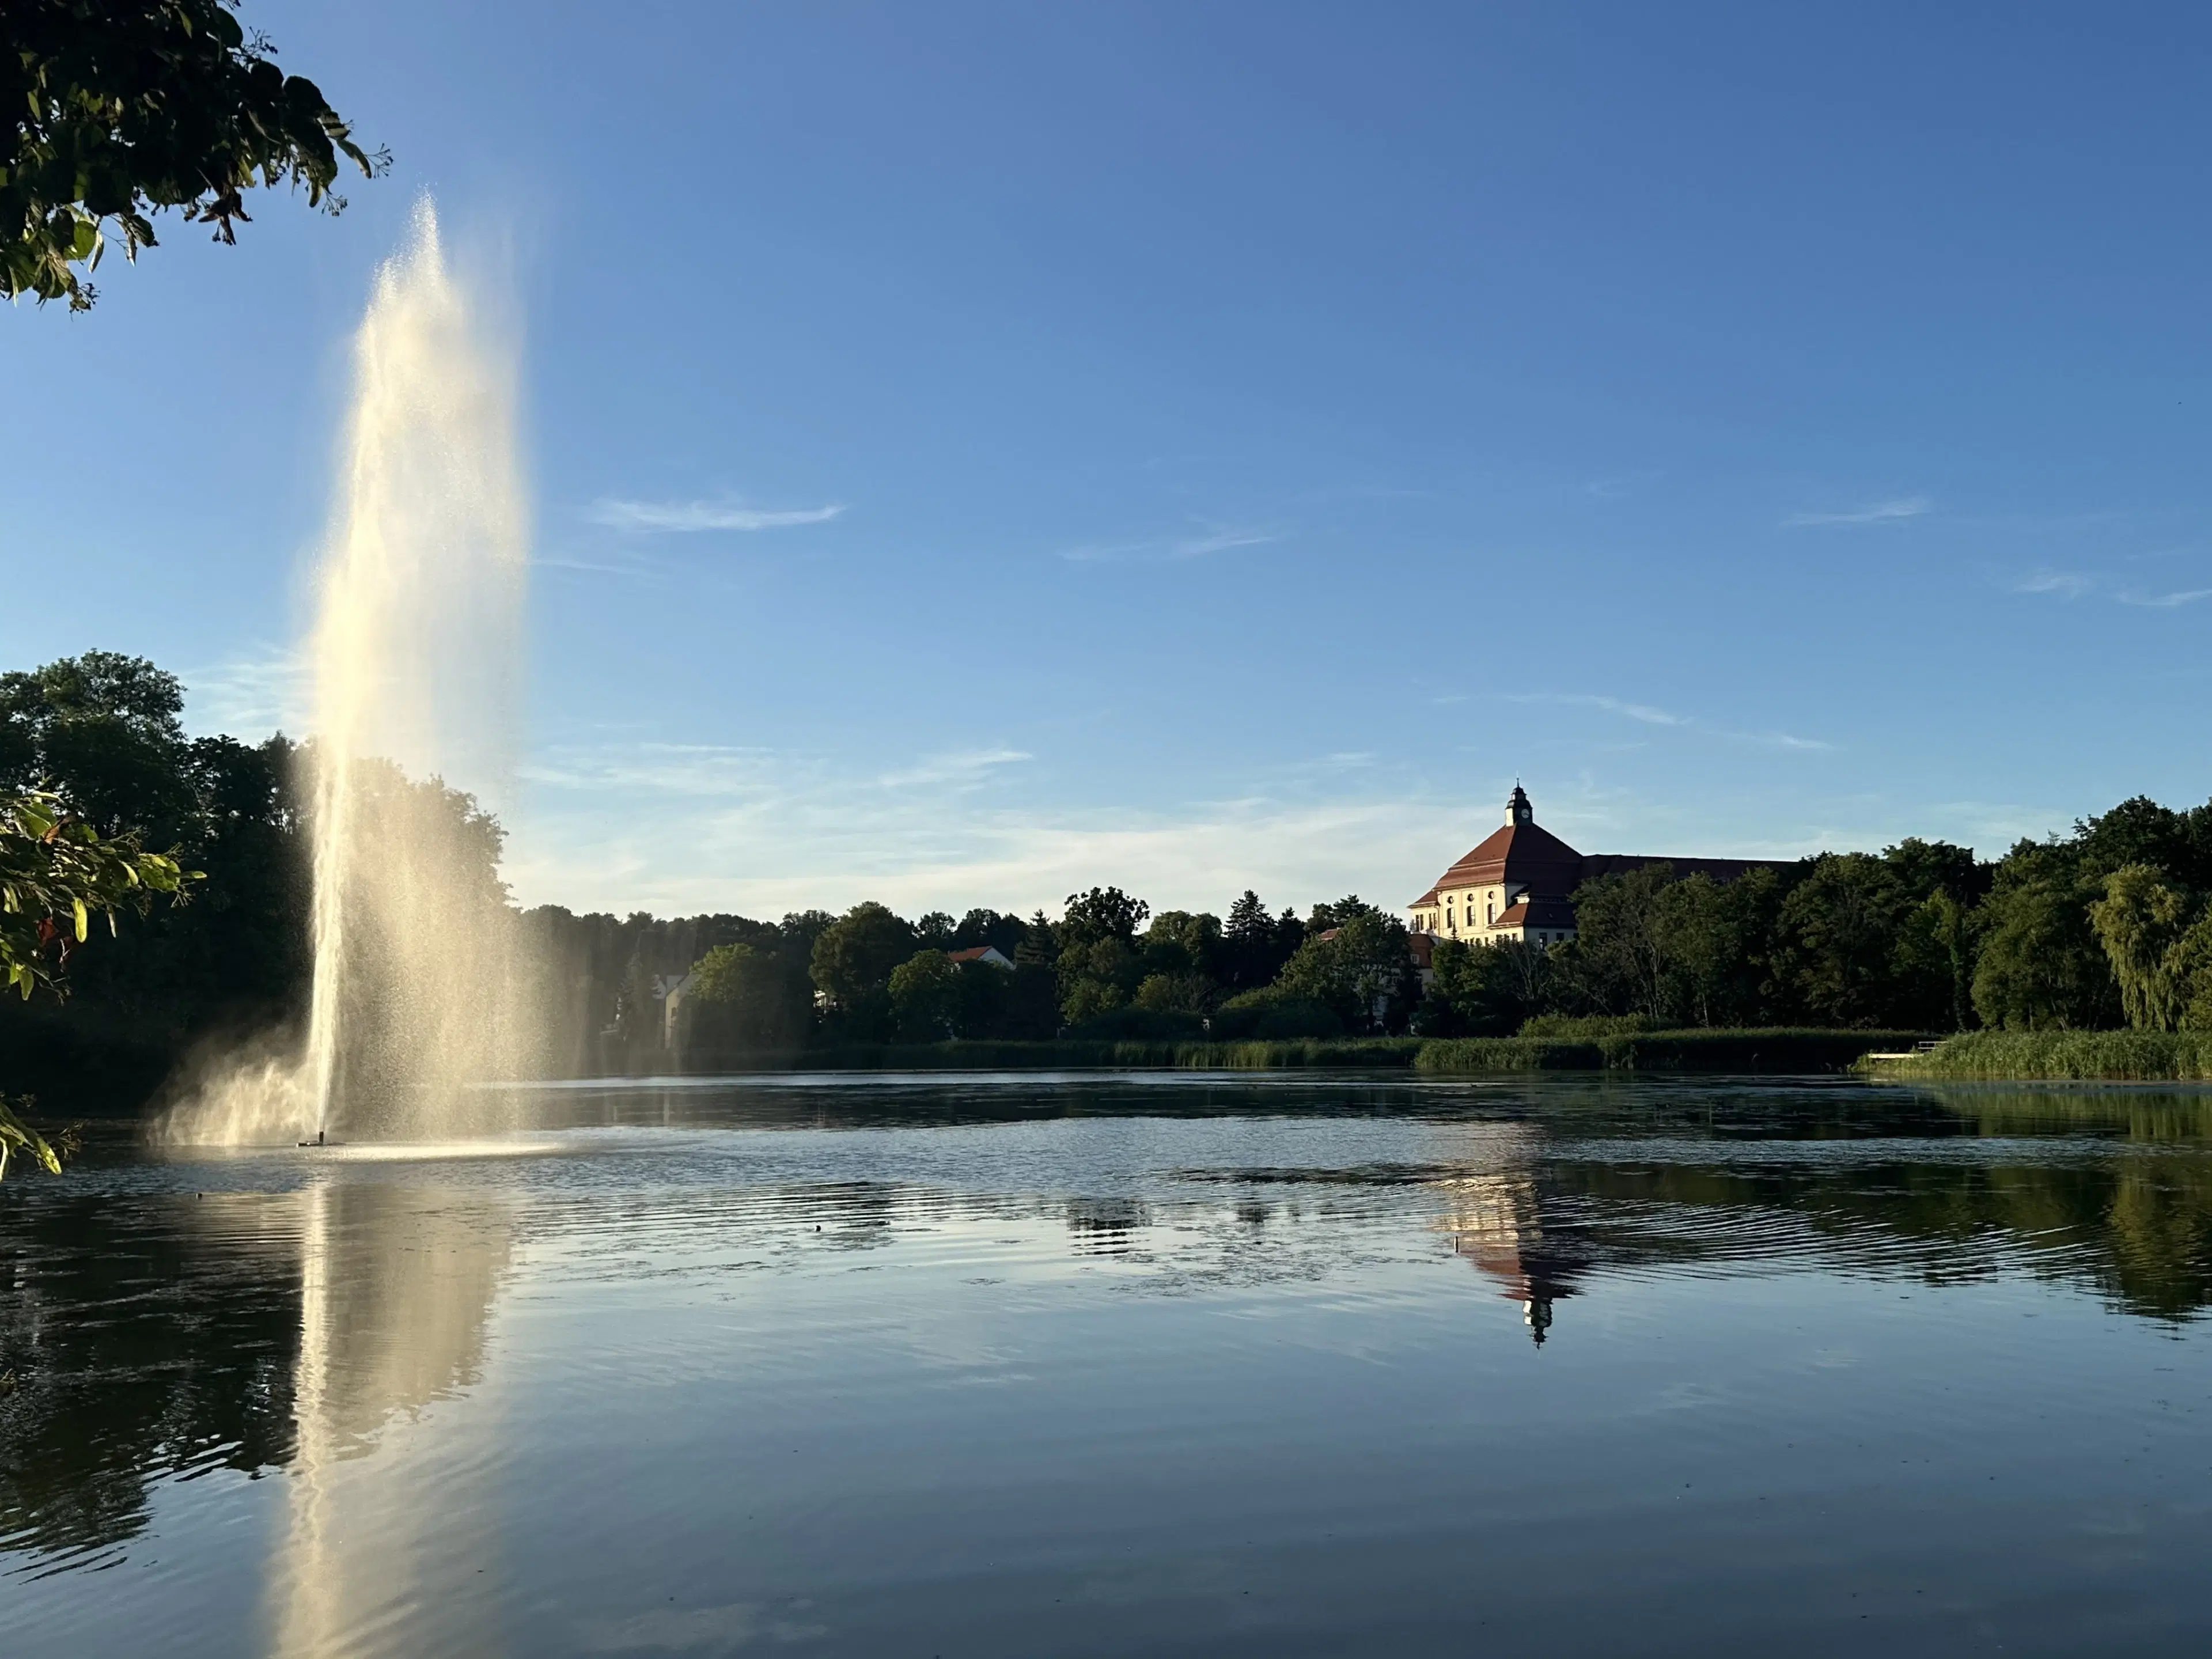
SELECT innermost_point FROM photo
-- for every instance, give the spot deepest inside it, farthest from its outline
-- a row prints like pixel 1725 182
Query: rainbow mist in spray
pixel 422 988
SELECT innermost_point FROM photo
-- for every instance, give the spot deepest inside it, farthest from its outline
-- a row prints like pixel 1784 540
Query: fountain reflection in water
pixel 396 1286
pixel 421 986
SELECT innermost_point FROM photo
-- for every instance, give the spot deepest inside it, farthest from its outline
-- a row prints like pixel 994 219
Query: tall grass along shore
pixel 1696 1050
pixel 2060 1056
pixel 1765 1049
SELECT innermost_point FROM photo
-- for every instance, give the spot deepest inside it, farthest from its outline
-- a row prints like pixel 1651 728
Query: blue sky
pixel 983 449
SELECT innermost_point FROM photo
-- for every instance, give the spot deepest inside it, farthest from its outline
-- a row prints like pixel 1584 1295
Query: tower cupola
pixel 1517 810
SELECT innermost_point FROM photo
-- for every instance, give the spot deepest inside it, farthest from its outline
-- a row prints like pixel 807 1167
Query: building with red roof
pixel 1518 884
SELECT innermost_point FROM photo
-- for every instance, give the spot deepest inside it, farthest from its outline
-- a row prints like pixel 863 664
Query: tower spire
pixel 1517 810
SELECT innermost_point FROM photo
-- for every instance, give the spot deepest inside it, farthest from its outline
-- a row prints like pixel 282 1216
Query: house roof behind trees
pixel 1521 853
pixel 1516 854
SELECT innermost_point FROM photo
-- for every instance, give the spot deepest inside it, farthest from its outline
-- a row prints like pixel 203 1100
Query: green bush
pixel 1507 1055
pixel 1585 1027
pixel 1270 1014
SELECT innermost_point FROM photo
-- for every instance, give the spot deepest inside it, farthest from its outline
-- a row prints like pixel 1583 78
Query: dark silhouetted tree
pixel 121 109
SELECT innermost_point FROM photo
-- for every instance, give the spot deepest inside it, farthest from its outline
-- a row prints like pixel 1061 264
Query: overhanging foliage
pixel 122 108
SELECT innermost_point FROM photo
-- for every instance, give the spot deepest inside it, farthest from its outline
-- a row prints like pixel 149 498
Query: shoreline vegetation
pixel 2055 1057
pixel 1690 1050
pixel 2087 955
pixel 1768 1049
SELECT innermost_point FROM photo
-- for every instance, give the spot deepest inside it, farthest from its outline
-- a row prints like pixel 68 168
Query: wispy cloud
pixel 1634 711
pixel 2167 601
pixel 1207 539
pixel 680 517
pixel 682 828
pixel 1889 511
pixel 963 766
pixel 1646 715
pixel 1778 740
pixel 1992 826
pixel 1219 540
pixel 634 568
pixel 787 832
pixel 1306 774
pixel 248 696
pixel 701 770
pixel 2073 584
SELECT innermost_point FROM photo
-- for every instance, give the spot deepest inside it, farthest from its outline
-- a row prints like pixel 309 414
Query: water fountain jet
pixel 421 986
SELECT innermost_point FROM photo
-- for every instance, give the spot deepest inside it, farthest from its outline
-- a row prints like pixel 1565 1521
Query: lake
pixel 1160 1364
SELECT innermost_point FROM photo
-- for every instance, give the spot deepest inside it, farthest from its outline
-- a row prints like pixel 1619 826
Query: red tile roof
pixel 1515 853
pixel 1545 871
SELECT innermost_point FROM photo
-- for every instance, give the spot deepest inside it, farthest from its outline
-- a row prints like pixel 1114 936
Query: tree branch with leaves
pixel 122 108
pixel 57 874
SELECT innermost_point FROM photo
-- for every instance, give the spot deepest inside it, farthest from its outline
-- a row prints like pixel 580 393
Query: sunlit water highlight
pixel 1165 1365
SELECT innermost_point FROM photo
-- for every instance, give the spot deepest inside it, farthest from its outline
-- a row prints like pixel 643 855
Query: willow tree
pixel 2141 921
pixel 2039 965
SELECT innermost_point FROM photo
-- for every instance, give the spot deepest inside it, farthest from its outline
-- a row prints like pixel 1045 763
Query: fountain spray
pixel 421 986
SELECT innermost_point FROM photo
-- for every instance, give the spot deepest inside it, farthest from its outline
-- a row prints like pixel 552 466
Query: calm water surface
pixel 1131 1364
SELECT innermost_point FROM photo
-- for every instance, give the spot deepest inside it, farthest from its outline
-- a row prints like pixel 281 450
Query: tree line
pixel 2106 925
pixel 2103 927
pixel 1108 966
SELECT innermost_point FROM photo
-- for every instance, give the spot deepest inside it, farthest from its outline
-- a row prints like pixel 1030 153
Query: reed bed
pixel 2061 1057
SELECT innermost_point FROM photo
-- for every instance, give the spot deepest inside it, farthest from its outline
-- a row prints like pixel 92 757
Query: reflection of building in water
pixel 396 1286
pixel 1496 1222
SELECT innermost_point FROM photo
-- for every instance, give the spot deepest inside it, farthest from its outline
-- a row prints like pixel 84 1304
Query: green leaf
pixel 83 919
